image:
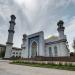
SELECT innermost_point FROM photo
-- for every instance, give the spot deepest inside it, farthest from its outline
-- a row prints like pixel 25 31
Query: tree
pixel 2 54
pixel 74 44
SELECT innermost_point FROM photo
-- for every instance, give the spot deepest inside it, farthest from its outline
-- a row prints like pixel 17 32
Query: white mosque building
pixel 35 45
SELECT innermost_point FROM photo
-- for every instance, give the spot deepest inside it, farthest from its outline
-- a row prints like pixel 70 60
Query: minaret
pixel 9 42
pixel 24 41
pixel 61 30
pixel 64 50
pixel 24 46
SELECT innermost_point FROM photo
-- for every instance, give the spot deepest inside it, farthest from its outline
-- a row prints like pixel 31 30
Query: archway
pixel 34 49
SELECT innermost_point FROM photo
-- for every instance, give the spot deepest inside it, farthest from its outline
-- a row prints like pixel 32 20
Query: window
pixel 16 52
pixel 20 53
pixel 55 51
pixel 50 51
pixel 13 52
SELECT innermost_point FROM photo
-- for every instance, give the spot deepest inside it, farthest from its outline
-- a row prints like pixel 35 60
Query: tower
pixel 24 46
pixel 9 42
pixel 61 29
pixel 64 49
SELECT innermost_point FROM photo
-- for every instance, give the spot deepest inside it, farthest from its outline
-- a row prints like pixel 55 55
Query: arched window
pixel 55 51
pixel 16 53
pixel 50 51
pixel 13 52
pixel 34 49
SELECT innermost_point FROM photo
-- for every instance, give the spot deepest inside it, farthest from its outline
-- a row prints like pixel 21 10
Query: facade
pixel 35 45
pixel 16 52
pixel 56 47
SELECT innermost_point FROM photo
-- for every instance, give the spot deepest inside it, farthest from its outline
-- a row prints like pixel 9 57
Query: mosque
pixel 35 45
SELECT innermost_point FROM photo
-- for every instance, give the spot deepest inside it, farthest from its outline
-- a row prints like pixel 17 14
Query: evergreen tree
pixel 74 44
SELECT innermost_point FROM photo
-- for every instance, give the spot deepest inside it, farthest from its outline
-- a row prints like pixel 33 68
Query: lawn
pixel 55 66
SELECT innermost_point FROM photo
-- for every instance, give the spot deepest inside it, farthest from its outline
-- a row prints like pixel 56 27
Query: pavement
pixel 11 69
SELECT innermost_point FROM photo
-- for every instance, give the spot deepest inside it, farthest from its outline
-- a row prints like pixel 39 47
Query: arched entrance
pixel 34 49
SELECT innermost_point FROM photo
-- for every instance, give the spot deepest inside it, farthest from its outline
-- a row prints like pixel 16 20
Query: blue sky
pixel 36 15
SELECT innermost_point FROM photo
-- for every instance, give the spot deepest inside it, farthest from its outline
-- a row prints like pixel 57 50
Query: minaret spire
pixel 9 42
pixel 61 29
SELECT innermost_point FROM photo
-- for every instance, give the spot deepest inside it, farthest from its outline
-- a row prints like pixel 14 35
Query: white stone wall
pixel 42 45
pixel 16 53
pixel 64 50
pixel 61 50
pixel 24 53
pixel 8 51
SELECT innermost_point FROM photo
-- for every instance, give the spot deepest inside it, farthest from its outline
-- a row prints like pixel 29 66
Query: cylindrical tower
pixel 9 42
pixel 24 41
pixel 61 29
pixel 24 46
pixel 11 30
pixel 64 50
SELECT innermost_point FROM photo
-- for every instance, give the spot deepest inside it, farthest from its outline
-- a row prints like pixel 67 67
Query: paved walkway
pixel 10 69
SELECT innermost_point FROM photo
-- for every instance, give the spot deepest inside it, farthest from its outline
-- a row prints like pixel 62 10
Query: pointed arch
pixel 34 49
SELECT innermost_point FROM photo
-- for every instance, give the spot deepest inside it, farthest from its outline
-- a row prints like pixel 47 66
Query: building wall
pixel 16 53
pixel 61 50
pixel 24 53
pixel 52 50
pixel 39 39
pixel 64 50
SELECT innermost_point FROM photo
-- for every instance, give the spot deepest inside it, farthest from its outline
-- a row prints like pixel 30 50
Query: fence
pixel 66 59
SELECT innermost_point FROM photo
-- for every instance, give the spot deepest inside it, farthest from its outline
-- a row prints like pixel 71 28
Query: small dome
pixel 60 23
pixel 52 38
pixel 13 17
pixel 24 35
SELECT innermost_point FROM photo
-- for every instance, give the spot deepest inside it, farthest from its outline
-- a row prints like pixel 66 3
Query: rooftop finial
pixel 13 17
pixel 24 36
pixel 60 23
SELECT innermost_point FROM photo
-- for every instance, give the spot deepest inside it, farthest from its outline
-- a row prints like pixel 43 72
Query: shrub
pixel 65 64
pixel 70 65
pixel 60 64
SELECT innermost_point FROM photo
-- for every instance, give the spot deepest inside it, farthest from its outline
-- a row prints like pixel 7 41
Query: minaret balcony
pixel 11 30
pixel 12 22
pixel 9 43
pixel 60 28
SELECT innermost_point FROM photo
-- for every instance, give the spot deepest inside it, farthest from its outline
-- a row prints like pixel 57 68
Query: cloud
pixel 36 15
pixel 45 14
pixel 22 23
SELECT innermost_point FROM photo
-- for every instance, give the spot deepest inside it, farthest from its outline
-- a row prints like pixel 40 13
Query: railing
pixel 40 58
